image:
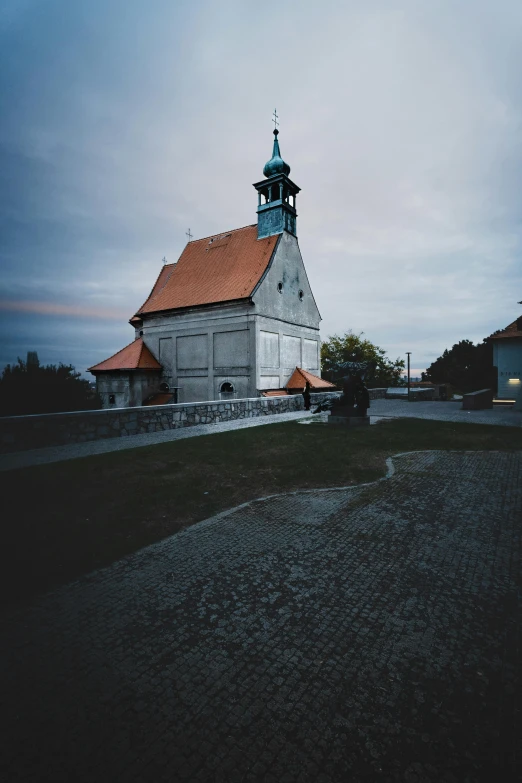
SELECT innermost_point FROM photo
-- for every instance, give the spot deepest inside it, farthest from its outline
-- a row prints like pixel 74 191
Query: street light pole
pixel 408 354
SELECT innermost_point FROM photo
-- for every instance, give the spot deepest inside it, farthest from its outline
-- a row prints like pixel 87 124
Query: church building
pixel 233 317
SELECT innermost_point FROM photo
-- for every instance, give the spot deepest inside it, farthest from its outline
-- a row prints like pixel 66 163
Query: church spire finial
pixel 276 165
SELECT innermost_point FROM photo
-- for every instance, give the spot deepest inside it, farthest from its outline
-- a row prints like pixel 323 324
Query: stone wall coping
pixel 480 391
pixel 173 406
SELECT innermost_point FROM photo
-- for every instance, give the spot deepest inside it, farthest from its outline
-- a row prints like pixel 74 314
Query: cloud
pixel 55 308
pixel 124 123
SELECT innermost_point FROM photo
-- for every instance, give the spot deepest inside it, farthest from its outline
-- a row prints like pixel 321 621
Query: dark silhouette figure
pixel 362 398
pixel 306 396
pixel 355 399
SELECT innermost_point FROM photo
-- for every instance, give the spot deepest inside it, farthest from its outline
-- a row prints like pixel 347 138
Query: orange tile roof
pixel 300 377
pixel 512 330
pixel 135 356
pixel 275 393
pixel 162 398
pixel 215 269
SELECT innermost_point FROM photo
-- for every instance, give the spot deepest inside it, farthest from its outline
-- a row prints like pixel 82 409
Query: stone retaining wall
pixel 377 394
pixel 317 398
pixel 19 433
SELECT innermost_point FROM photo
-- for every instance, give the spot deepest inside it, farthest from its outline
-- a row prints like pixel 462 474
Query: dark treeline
pixel 467 367
pixel 27 387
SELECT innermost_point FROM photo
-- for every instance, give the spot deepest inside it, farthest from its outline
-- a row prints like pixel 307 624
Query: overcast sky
pixel 125 122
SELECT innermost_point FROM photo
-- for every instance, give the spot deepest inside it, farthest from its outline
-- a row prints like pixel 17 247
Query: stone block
pixel 478 400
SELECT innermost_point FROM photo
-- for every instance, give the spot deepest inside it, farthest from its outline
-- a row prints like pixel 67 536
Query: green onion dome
pixel 276 164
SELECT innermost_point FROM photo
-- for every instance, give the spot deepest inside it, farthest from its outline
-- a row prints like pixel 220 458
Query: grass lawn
pixel 66 519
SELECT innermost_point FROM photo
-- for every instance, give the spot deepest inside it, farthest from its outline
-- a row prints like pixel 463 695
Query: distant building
pixel 233 317
pixel 507 358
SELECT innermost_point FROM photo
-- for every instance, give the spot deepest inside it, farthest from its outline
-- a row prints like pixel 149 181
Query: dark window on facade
pixel 226 391
pixel 112 399
pixel 141 333
pixel 280 288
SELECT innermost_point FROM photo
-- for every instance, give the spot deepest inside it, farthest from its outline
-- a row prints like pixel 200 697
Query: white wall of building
pixel 287 318
pixel 202 348
pixel 127 389
pixel 287 269
pixel 507 357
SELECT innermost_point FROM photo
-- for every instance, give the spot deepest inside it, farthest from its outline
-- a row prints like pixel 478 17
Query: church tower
pixel 276 211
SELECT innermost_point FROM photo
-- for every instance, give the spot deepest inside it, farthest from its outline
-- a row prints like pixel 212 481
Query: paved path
pixel 443 411
pixel 22 459
pixel 362 634
pixel 447 411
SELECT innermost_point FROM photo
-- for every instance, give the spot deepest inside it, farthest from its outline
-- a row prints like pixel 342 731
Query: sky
pixel 125 122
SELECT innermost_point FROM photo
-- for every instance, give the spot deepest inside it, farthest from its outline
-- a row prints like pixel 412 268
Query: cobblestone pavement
pixel 361 634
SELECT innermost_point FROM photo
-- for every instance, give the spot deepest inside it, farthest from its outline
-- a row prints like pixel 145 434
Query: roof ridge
pixel 512 327
pixel 122 349
pixel 117 352
pixel 153 289
pixel 220 233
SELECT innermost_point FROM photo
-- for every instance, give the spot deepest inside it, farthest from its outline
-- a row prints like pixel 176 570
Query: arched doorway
pixel 226 391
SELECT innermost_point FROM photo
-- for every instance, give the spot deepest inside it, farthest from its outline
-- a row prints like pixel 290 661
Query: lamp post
pixel 408 354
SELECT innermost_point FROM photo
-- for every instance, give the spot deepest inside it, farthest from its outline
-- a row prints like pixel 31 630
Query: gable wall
pixel 287 268
pixel 287 328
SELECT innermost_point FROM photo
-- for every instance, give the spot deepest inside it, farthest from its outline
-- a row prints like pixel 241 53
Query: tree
pixel 26 387
pixel 467 367
pixel 353 348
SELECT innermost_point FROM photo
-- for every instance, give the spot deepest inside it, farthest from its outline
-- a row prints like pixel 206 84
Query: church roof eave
pixel 513 331
pixel 187 308
pixel 134 357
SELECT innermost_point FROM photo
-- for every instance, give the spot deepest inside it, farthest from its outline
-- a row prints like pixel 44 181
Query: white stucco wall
pixel 287 333
pixel 202 348
pixel 507 357
pixel 129 389
pixel 287 268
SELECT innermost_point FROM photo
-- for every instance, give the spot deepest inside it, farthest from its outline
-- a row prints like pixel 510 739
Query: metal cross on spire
pixel 275 119
pixel 189 235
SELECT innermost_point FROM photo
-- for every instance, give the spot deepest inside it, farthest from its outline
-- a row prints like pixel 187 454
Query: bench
pixel 478 400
